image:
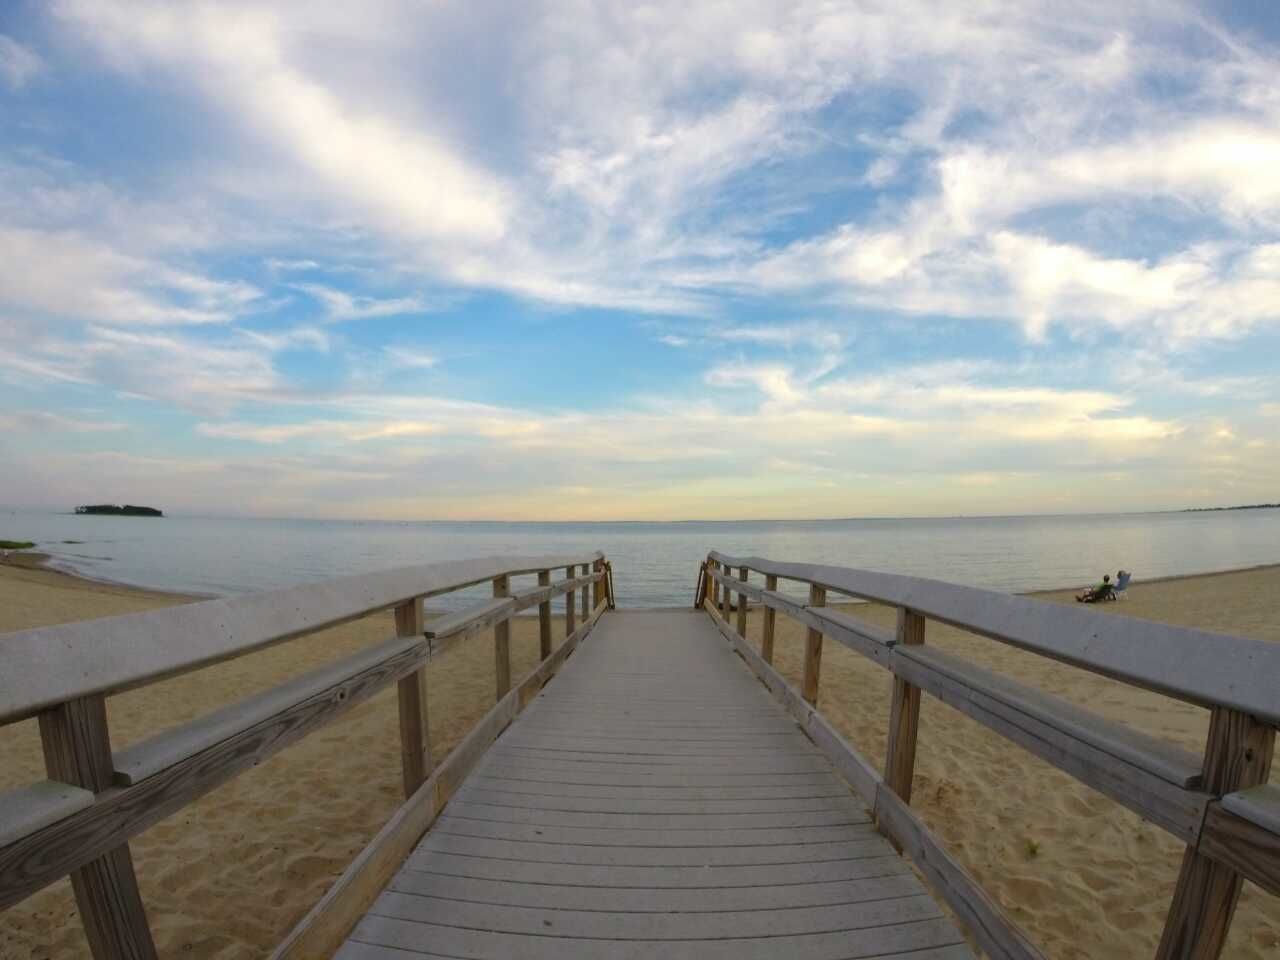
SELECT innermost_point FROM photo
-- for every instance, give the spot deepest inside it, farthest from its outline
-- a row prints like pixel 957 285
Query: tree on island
pixel 111 509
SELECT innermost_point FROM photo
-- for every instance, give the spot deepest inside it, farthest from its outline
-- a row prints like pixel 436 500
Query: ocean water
pixel 655 564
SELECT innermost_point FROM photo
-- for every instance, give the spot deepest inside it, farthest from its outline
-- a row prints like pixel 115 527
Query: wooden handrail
pixel 79 822
pixel 1208 669
pixel 1230 823
pixel 51 665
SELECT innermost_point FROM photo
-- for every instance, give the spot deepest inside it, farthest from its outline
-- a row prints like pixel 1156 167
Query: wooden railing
pixel 80 820
pixel 1219 804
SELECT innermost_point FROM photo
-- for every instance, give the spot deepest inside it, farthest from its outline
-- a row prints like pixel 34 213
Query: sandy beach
pixel 229 876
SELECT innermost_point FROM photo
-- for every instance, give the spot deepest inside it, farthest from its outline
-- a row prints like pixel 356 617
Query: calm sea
pixel 655 564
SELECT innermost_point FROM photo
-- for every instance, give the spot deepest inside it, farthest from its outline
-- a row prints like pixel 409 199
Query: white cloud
pixel 43 421
pixel 340 305
pixel 410 358
pixel 18 64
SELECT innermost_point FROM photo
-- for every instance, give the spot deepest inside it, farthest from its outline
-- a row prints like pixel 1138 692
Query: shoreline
pixel 50 566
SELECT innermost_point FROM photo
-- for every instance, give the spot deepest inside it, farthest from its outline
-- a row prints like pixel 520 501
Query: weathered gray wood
pixel 1237 755
pixel 24 810
pixel 856 634
pixel 49 665
pixel 536 596
pixel 1194 665
pixel 742 605
pixel 544 617
pixel 813 650
pixel 1259 805
pixel 659 901
pixel 472 620
pixel 585 594
pixel 77 750
pixel 747 836
pixel 324 926
pixel 121 812
pixel 415 736
pixel 570 618
pixel 910 939
pixel 1244 845
pixel 904 714
pixel 331 682
pixel 502 640
pixel 626 925
pixel 1127 766
pixel 768 622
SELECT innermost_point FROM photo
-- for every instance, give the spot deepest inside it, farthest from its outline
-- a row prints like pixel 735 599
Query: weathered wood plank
pixel 49 665
pixel 1194 665
pixel 813 650
pixel 913 938
pixel 1237 755
pixel 742 605
pixel 1259 805
pixel 624 925
pixel 768 623
pixel 904 714
pixel 121 812
pixel 1086 747
pixel 415 737
pixel 544 617
pixel 570 618
pixel 322 929
pixel 77 750
pixel 24 810
pixel 1245 846
pixel 549 896
pixel 502 640
pixel 472 620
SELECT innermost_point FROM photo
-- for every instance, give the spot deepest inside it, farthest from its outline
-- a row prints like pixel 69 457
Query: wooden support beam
pixel 415 740
pixel 742 604
pixel 502 640
pixel 904 714
pixel 726 597
pixel 813 649
pixel 1237 755
pixel 586 596
pixel 77 750
pixel 569 601
pixel 715 584
pixel 544 618
pixel 770 617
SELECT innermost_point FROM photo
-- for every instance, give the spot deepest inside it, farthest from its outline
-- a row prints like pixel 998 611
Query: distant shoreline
pixel 44 563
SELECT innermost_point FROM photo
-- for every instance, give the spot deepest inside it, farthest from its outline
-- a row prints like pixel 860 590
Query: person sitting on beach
pixel 1100 592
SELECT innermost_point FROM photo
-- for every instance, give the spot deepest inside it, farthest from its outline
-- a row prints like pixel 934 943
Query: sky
pixel 688 260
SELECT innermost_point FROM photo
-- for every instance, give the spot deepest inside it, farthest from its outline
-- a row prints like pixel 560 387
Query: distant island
pixel 128 510
pixel 1247 506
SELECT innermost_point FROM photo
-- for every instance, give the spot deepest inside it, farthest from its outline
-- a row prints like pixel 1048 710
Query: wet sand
pixel 229 875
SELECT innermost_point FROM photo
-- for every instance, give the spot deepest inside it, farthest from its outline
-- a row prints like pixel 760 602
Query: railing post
pixel 742 605
pixel 544 617
pixel 415 740
pixel 502 640
pixel 904 714
pixel 770 616
pixel 726 595
pixel 714 588
pixel 813 649
pixel 1237 755
pixel 77 750
pixel 597 586
pixel 570 599
pixel 586 595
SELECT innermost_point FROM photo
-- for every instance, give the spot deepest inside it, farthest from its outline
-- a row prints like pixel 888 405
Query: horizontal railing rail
pixel 1218 804
pixel 79 821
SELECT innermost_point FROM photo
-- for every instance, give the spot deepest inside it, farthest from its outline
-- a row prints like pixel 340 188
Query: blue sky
pixel 611 261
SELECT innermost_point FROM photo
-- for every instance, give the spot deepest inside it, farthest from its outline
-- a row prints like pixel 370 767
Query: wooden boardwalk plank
pixel 654 801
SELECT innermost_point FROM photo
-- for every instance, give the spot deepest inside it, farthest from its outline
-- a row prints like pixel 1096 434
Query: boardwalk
pixel 654 801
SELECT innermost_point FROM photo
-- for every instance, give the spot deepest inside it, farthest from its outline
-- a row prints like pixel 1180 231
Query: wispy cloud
pixel 18 64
